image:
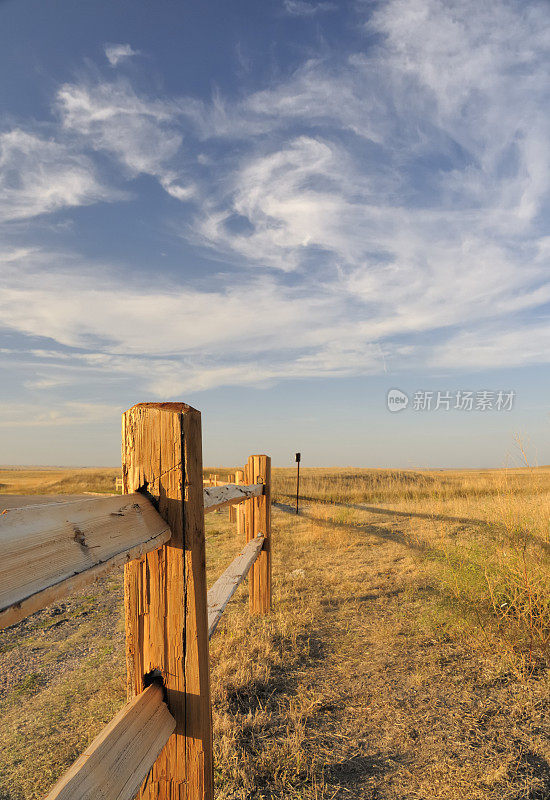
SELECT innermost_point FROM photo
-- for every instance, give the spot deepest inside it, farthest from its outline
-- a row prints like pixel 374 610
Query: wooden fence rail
pixel 159 747
pixel 229 494
pixel 225 587
pixel 49 550
pixel 118 761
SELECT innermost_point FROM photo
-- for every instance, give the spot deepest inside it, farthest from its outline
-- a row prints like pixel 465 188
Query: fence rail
pixel 50 550
pixel 162 740
pixel 117 762
pixel 229 494
pixel 227 584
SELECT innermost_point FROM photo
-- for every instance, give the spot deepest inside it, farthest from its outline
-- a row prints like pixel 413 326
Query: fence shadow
pixel 532 765
pixel 346 771
pixel 497 528
pixel 390 512
pixel 283 680
pixel 349 772
pixel 375 530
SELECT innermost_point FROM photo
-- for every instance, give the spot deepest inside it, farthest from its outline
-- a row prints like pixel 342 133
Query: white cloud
pixel 112 117
pixel 175 339
pixel 396 197
pixel 300 8
pixel 407 269
pixel 141 134
pixel 478 74
pixel 27 415
pixel 39 176
pixel 43 294
pixel 119 52
pixel 45 381
pixel 284 202
pixel 453 100
pixel 488 346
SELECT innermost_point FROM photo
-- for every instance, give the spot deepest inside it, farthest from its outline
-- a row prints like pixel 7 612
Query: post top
pixel 174 407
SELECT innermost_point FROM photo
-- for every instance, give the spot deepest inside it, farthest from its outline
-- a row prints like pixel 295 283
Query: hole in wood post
pixel 155 676
pixel 144 490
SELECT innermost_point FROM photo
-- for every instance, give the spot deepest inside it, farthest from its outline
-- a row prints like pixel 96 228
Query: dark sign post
pixel 298 457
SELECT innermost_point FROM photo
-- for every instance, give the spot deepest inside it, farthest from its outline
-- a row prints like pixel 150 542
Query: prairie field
pixel 406 657
pixel 57 480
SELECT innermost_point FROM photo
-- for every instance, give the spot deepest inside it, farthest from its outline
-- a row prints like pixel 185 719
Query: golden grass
pixel 362 683
pixel 406 655
pixel 57 480
pixel 487 532
pixel 349 485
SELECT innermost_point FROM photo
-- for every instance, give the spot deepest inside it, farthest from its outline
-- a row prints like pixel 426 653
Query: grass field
pixel 407 655
pixel 57 480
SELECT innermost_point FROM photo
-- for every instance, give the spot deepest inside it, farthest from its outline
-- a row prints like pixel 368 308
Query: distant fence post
pixel 239 509
pixel 258 521
pixel 232 509
pixel 165 594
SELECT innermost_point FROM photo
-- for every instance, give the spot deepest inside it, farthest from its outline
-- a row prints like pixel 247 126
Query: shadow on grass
pixel 496 527
pixel 375 530
pixel 343 770
pixel 350 771
pixel 282 684
pixel 533 766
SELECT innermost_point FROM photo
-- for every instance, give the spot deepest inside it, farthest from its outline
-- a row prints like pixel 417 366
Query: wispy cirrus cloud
pixel 140 133
pixel 116 53
pixel 26 415
pixel 488 346
pixel 40 176
pixel 44 294
pixel 301 8
pixel 383 207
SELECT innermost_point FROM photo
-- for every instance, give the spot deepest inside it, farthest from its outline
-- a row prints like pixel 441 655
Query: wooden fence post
pixel 239 510
pixel 258 521
pixel 232 509
pixel 165 594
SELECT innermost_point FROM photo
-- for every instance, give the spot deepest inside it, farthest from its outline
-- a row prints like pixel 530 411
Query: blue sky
pixel 276 212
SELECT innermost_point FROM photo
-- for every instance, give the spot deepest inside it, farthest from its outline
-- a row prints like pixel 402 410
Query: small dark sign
pixel 298 456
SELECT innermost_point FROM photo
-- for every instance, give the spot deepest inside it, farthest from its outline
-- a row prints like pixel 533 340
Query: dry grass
pixel 405 656
pixel 348 485
pixel 57 480
pixel 487 532
pixel 367 682
pixel 61 680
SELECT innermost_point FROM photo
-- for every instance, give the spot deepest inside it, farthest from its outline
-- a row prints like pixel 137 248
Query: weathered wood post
pixel 232 509
pixel 165 594
pixel 258 520
pixel 239 510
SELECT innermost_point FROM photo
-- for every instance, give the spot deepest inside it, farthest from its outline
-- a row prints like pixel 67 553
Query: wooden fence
pixel 159 746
